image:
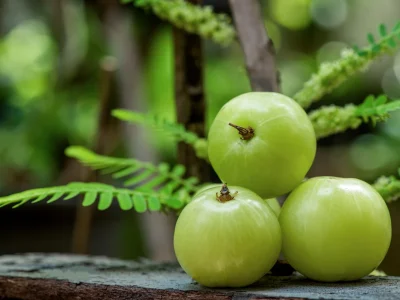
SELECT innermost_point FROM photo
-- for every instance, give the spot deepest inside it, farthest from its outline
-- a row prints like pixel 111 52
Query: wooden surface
pixel 55 276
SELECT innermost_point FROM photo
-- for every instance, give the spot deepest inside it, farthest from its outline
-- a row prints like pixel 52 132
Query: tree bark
pixel 104 143
pixel 257 47
pixel 189 97
pixel 118 25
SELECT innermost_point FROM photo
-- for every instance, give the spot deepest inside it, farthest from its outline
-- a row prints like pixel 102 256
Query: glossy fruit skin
pixel 208 186
pixel 275 206
pixel 231 244
pixel 335 229
pixel 272 202
pixel 279 155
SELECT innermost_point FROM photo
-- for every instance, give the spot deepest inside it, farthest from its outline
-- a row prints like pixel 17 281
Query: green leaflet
pixel 175 130
pixel 126 171
pixel 387 186
pixel 105 200
pixel 154 204
pixel 55 197
pixel 139 202
pixel 143 175
pixel 386 42
pixel 330 75
pixel 332 119
pixel 89 199
pixel 127 199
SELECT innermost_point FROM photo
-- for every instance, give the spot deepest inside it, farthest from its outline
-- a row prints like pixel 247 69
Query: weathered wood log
pixel 58 276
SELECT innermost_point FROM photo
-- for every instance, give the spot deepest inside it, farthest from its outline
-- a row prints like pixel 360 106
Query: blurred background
pixel 57 56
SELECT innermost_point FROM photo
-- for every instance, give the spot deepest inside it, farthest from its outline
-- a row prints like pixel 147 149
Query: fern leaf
pixel 376 108
pixel 105 200
pixel 175 203
pixel 388 187
pixel 40 198
pixel 179 170
pixel 55 197
pixel 89 199
pixel 330 75
pixel 153 183
pixel 127 199
pixel 175 130
pixel 126 171
pixel 138 178
pixel 192 18
pixel 143 176
pixel 382 30
pixel 386 41
pixel 139 203
pixel 71 195
pixel 332 119
pixel 154 204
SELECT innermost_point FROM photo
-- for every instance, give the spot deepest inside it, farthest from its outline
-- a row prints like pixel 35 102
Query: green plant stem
pixel 192 18
pixel 388 187
pixel 330 75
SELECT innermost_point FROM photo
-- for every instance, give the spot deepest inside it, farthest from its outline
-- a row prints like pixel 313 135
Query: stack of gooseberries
pixel 329 229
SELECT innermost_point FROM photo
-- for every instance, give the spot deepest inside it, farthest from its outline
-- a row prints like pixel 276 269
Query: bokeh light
pixel 372 154
pixel 330 51
pixel 292 14
pixel 294 72
pixel 26 58
pixel 391 127
pixel 329 14
pixel 390 83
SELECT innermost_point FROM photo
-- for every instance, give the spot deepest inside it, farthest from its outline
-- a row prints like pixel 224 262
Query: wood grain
pixel 57 276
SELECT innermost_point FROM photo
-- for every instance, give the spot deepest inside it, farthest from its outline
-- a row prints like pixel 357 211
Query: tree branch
pixel 189 97
pixel 102 145
pixel 118 26
pixel 257 46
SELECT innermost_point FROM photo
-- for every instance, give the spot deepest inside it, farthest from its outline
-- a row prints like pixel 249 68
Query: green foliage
pixel 332 74
pixel 175 130
pixel 376 109
pixel 127 199
pixel 388 187
pixel 327 120
pixel 143 176
pixel 387 41
pixel 192 18
pixel 332 119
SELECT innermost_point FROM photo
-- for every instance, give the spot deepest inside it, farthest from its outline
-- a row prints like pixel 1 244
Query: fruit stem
pixel 225 194
pixel 246 133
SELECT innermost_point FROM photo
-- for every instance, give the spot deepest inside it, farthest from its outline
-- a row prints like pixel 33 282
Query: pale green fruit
pixel 335 229
pixel 276 159
pixel 230 244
